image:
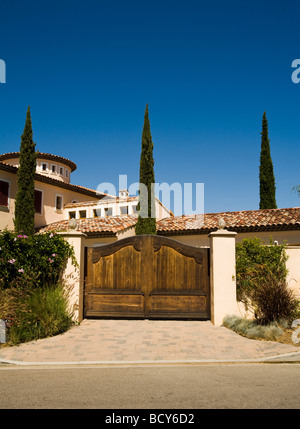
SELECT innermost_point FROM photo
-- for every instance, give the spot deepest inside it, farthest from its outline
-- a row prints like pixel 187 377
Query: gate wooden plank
pixel 147 276
pixel 179 306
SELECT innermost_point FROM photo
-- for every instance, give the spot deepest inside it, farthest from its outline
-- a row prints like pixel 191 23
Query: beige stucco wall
pixel 7 215
pixel 283 237
pixel 161 211
pixel 100 241
pixel 115 205
pixel 62 177
pixel 293 266
pixel 56 175
pixel 74 276
pixel 222 276
pixel 128 232
pixel 49 213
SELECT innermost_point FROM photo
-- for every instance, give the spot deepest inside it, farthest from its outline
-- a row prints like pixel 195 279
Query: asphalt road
pixel 213 386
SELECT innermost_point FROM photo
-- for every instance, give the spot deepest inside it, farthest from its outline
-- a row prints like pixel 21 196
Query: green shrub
pixel 31 290
pixel 273 299
pixel 13 302
pixel 252 256
pixel 261 280
pixel 36 260
pixel 43 313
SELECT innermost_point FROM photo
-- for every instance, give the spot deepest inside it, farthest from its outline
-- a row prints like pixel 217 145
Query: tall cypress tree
pixel 24 206
pixel 266 174
pixel 146 223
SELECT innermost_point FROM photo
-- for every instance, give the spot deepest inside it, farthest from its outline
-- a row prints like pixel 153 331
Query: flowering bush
pixel 32 294
pixel 34 261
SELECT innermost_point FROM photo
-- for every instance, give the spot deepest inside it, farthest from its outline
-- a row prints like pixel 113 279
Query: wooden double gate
pixel 147 277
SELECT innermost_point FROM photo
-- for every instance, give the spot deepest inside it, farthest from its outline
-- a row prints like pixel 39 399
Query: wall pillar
pixel 73 276
pixel 222 275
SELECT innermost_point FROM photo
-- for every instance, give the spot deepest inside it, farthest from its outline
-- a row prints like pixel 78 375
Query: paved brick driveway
pixel 138 341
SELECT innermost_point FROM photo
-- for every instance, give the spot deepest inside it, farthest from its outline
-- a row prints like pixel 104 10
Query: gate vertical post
pixel 222 275
pixel 74 276
pixel 147 272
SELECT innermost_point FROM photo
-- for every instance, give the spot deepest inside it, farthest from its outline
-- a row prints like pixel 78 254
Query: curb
pixel 282 358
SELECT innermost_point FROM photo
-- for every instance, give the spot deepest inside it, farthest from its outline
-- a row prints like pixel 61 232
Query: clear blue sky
pixel 208 69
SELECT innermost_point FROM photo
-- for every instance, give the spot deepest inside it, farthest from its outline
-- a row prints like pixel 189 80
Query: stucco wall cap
pixel 71 233
pixel 222 233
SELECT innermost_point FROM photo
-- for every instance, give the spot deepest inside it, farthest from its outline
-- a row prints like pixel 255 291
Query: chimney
pixel 123 194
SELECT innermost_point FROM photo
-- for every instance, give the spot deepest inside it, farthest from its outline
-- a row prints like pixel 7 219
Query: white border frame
pixel 53 172
pixel 62 203
pixel 72 211
pixel 86 214
pixel 41 167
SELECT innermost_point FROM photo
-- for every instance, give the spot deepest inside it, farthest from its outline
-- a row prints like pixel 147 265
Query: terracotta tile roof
pixel 8 167
pixel 242 221
pixel 81 204
pixel 247 220
pixel 105 200
pixel 94 227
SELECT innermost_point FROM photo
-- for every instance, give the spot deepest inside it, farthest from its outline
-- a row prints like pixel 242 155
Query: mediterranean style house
pixel 91 219
pixel 52 188
pixel 56 199
pixel 99 215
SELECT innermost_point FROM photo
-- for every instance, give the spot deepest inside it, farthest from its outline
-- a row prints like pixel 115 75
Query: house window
pixel 108 211
pixel 97 212
pixel 38 198
pixel 4 191
pixel 82 214
pixel 44 166
pixel 67 172
pixel 59 202
pixel 124 210
pixel 72 215
pixel 61 171
pixel 53 168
